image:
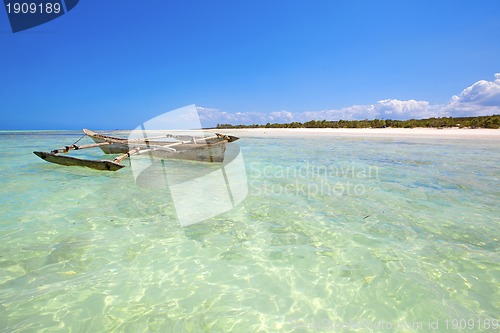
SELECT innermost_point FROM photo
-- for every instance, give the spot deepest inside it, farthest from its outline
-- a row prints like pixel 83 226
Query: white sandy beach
pixel 446 133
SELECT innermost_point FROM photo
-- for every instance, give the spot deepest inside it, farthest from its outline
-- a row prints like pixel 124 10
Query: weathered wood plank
pixel 73 161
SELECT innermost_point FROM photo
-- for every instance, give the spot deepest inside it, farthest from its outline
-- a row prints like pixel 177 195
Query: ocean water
pixel 336 234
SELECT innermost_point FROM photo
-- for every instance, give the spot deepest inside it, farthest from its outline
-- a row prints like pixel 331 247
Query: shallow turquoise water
pixel 336 234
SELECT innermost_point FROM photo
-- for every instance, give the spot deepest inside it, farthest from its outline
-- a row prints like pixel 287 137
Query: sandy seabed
pixel 446 133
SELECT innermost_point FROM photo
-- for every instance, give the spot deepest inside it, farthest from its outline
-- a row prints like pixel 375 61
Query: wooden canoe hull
pixel 117 146
pixel 213 151
pixel 194 152
pixel 73 161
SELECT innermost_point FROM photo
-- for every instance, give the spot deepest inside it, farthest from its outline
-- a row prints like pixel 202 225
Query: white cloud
pixel 396 109
pixel 281 117
pixel 481 98
pixel 386 109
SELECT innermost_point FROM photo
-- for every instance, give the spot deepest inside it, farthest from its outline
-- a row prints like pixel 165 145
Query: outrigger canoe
pixel 73 161
pixel 203 149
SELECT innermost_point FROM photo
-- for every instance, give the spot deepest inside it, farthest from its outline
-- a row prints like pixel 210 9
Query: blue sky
pixel 115 64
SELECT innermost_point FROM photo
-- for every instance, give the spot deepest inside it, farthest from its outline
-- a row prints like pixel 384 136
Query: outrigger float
pixel 185 147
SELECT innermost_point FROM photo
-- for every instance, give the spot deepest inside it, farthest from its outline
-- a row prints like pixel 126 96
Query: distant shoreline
pixel 418 132
pixel 492 121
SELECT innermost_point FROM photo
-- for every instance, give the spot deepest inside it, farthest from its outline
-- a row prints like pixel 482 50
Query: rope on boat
pixel 74 144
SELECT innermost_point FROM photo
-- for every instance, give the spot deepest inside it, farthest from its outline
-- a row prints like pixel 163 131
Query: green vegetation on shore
pixel 460 122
